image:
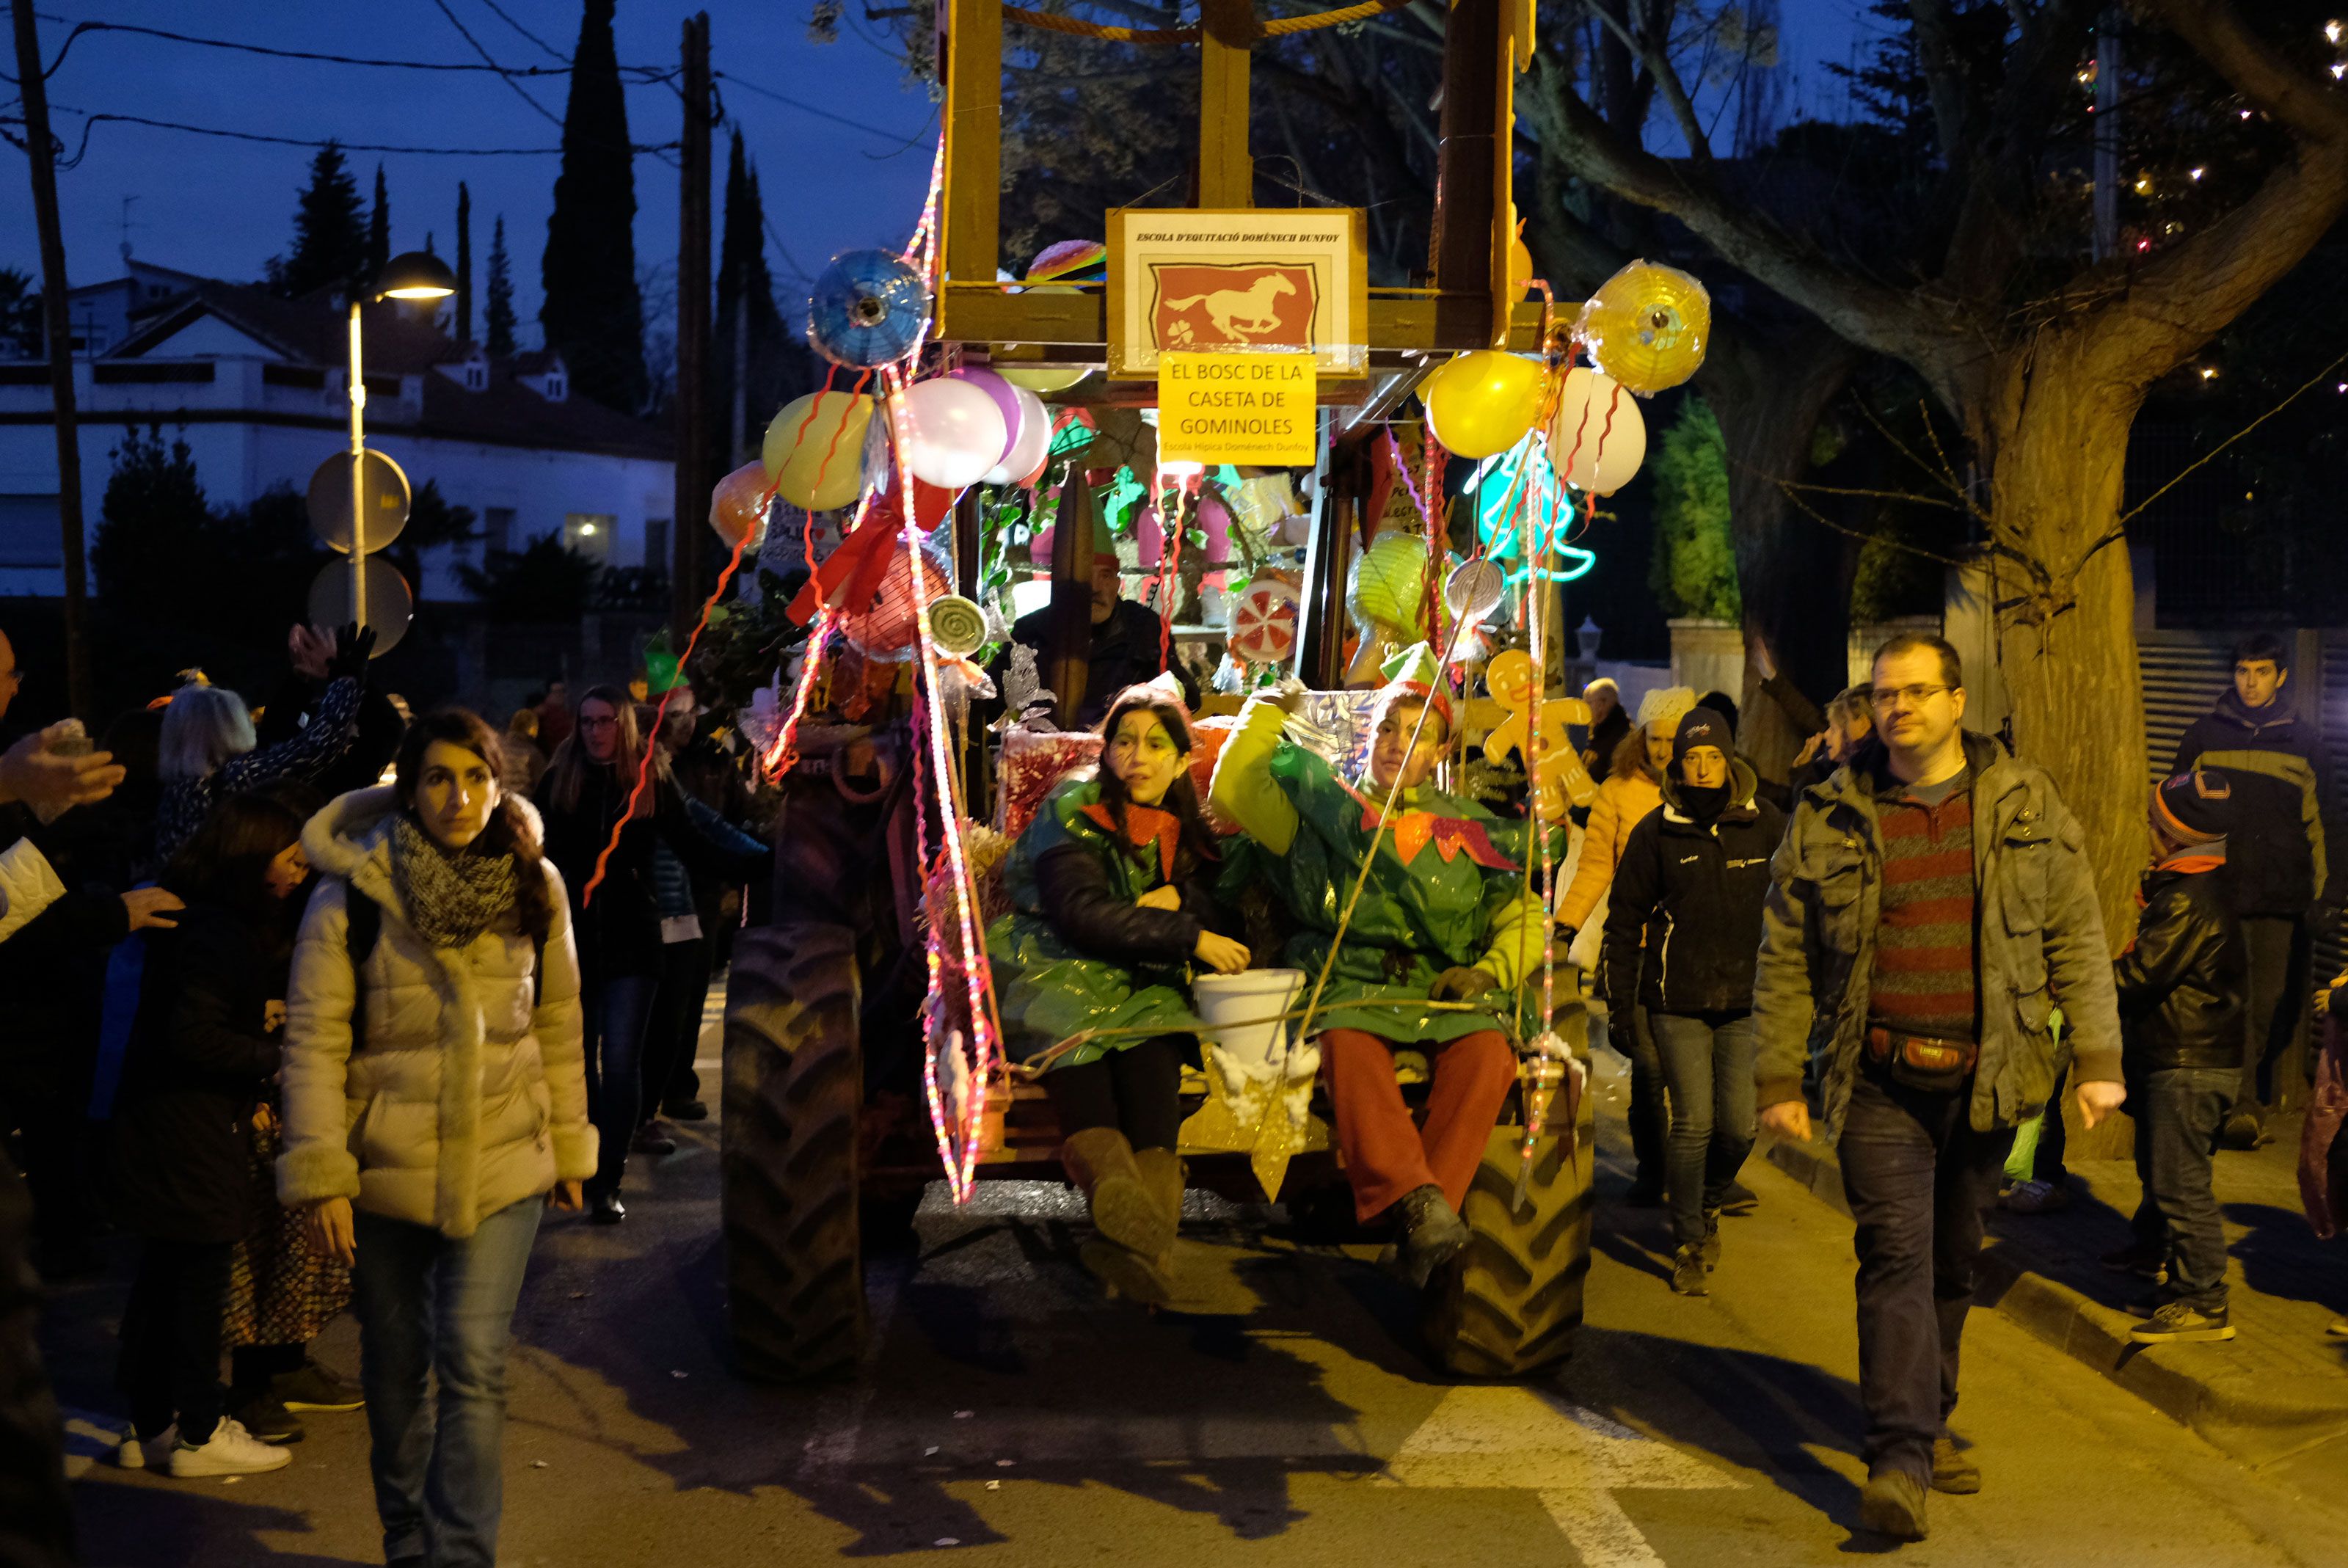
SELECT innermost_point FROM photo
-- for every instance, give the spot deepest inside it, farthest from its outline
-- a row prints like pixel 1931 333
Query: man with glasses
pixel 1932 899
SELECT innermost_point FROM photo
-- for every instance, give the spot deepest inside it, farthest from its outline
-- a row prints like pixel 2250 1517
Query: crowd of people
pixel 332 1004
pixel 315 1005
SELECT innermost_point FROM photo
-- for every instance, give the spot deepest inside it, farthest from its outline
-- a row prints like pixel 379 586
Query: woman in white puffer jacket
pixel 458 1113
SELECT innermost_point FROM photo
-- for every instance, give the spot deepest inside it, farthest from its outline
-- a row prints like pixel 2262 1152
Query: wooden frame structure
pixel 1473 234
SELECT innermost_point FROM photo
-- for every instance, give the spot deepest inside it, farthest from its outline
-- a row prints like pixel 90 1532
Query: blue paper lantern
pixel 868 309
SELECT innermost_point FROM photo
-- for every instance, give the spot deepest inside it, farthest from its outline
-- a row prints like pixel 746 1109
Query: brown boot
pixel 1162 1176
pixel 1124 1211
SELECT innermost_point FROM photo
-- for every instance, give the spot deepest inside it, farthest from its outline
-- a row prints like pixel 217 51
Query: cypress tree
pixel 593 313
pixel 777 367
pixel 499 312
pixel 330 237
pixel 380 227
pixel 464 263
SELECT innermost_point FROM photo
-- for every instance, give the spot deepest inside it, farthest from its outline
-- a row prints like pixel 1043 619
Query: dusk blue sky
pixel 222 208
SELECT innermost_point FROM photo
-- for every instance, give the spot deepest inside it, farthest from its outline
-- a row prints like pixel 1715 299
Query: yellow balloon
pixel 1483 402
pixel 1043 382
pixel 814 450
pixel 1647 327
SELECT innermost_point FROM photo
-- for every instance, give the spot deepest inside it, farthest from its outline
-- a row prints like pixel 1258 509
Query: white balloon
pixel 955 432
pixel 1029 446
pixel 1589 452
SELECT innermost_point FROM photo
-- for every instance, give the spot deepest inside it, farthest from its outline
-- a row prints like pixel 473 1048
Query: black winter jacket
pixel 201 1059
pixel 1083 905
pixel 2275 860
pixel 1684 924
pixel 619 933
pixel 2181 984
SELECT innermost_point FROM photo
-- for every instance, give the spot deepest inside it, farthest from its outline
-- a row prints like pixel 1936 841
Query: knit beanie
pixel 1665 706
pixel 1702 726
pixel 2193 808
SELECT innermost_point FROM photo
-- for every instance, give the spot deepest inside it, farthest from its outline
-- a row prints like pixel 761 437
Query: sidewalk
pixel 2275 1396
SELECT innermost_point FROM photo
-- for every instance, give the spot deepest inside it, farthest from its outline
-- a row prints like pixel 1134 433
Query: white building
pixel 256 385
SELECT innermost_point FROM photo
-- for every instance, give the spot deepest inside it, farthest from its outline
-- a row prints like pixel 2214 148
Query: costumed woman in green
pixel 1446 916
pixel 1111 910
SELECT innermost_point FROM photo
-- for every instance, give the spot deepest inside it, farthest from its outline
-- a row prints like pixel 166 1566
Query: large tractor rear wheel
pixel 1513 1299
pixel 794 1091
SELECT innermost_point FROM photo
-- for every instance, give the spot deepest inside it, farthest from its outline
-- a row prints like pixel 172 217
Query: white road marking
pixel 1517 1439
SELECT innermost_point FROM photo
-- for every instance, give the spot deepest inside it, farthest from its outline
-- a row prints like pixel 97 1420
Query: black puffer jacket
pixel 1082 902
pixel 1685 919
pixel 2181 984
pixel 2276 862
pixel 201 1057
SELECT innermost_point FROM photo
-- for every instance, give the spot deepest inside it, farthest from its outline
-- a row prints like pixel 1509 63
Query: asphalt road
pixel 1008 1416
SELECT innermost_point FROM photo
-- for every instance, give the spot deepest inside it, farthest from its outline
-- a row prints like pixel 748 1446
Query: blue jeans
pixel 1917 1177
pixel 2178 1113
pixel 1707 1060
pixel 430 1305
pixel 617 1013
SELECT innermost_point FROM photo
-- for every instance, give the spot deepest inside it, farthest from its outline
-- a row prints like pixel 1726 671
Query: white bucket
pixel 1231 1005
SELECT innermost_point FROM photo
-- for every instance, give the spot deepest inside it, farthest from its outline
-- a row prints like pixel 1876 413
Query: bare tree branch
pixel 1651 52
pixel 1936 52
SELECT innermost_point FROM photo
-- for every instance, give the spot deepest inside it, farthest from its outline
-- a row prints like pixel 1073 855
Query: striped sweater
pixel 1924 964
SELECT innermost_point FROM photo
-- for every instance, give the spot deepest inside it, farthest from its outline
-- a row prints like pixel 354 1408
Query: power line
pixel 491 60
pixel 751 86
pixel 642 73
pixel 93 119
pixel 525 32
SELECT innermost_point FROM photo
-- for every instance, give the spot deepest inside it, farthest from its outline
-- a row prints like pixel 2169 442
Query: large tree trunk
pixel 1769 398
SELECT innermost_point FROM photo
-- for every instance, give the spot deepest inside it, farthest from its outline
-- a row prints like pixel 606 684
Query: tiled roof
pixel 507 414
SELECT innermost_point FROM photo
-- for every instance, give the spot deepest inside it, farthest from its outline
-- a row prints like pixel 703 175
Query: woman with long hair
pixel 203 1048
pixel 1111 914
pixel 435 1105
pixel 591 788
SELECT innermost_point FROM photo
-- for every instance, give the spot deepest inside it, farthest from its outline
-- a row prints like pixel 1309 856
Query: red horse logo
pixel 1232 305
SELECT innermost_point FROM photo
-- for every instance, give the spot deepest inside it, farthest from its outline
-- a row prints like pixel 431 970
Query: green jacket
pixel 2039 935
pixel 1077 952
pixel 1446 891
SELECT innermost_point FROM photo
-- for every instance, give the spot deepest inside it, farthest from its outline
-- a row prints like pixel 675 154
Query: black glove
pixel 1464 983
pixel 353 647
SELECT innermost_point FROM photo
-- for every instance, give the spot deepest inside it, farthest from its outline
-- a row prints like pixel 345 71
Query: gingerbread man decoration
pixel 1559 780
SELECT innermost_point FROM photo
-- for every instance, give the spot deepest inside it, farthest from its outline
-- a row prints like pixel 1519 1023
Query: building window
pixel 590 533
pixel 477 376
pixel 498 528
pixel 556 391
pixel 656 543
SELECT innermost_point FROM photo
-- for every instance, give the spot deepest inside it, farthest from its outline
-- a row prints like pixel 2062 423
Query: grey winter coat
pixel 2039 939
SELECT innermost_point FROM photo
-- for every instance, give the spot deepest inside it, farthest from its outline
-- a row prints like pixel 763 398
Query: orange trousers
pixel 1387 1153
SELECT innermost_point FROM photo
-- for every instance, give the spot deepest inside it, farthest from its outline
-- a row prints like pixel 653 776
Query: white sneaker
pixel 232 1451
pixel 130 1454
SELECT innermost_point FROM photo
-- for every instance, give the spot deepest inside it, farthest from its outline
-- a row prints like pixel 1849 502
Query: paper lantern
pixel 1264 620
pixel 884 630
pixel 1483 402
pixel 1388 594
pixel 1006 403
pixel 1599 437
pixel 953 432
pixel 737 507
pixel 1647 327
pixel 1031 444
pixel 814 450
pixel 868 309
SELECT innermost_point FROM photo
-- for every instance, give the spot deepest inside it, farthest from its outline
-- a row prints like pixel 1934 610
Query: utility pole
pixel 41 152
pixel 464 264
pixel 694 481
pixel 2107 135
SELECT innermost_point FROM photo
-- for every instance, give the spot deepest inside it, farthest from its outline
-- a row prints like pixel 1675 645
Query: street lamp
pixel 412 275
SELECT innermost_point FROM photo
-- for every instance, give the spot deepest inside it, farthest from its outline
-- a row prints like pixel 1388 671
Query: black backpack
pixel 365 928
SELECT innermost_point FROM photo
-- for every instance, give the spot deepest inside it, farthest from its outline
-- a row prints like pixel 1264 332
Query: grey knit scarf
pixel 450 899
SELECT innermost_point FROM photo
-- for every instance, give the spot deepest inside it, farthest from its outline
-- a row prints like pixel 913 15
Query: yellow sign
pixel 1254 409
pixel 1198 282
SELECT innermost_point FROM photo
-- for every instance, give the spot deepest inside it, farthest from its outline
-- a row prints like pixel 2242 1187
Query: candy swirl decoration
pixel 814 450
pixel 1264 620
pixel 1483 402
pixel 1647 327
pixel 957 625
pixel 868 309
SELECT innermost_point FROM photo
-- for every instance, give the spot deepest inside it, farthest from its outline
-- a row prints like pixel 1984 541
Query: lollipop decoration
pixel 868 309
pixel 1647 327
pixel 957 625
pixel 1264 620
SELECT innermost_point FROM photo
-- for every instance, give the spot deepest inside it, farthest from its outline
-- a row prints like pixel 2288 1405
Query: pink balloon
pixel 1216 520
pixel 1149 536
pixel 1006 398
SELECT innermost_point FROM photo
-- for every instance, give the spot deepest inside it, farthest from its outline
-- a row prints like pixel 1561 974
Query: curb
pixel 2236 1408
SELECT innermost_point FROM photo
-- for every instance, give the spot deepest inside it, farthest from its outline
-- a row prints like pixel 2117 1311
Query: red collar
pixel 1144 826
pixel 1414 830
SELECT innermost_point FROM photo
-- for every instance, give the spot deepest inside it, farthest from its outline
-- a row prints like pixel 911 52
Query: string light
pixel 2209 372
pixel 2199 172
